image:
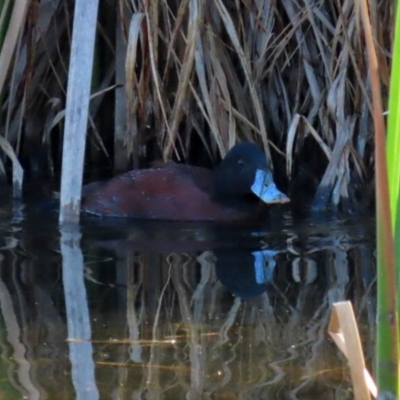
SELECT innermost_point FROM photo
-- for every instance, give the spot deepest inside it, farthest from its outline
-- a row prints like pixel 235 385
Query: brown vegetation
pixel 187 79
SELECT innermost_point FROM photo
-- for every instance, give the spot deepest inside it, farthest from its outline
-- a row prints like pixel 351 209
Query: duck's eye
pixel 241 163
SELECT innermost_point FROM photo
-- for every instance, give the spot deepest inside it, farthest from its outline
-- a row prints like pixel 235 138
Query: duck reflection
pixel 245 274
pixel 240 262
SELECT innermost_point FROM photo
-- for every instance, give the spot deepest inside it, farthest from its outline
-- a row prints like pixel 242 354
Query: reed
pixel 393 138
pixel 393 166
pixel 387 164
pixel 77 109
pixel 291 76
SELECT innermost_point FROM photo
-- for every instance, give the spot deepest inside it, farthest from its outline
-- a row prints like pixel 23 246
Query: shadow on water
pixel 141 310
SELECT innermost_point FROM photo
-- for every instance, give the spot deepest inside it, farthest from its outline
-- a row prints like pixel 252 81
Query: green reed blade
pixel 385 340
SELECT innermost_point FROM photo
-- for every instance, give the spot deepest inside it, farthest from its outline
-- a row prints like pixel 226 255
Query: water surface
pixel 151 310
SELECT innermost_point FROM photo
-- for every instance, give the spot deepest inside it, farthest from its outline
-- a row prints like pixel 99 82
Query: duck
pixel 240 188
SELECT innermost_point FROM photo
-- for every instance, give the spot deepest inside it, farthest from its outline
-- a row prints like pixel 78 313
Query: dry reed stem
pixel 15 27
pixel 184 76
pixel 18 172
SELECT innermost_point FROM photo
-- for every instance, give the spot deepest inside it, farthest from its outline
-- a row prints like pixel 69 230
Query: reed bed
pixel 187 79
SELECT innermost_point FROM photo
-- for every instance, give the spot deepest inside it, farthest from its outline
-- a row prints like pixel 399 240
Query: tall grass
pixel 387 190
pixel 292 76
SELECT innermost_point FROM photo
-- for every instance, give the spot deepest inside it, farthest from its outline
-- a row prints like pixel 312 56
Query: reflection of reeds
pixel 169 329
pixel 23 381
pixel 200 341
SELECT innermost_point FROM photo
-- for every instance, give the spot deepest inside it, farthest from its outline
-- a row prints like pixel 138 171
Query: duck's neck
pixel 226 192
pixel 245 202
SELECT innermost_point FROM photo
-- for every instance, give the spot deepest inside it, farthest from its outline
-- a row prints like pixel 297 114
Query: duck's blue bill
pixel 264 187
pixel 264 265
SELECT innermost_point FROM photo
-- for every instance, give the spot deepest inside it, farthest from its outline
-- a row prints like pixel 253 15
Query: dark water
pixel 134 310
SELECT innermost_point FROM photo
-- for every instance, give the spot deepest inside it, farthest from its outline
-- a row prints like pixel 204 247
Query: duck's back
pixel 172 192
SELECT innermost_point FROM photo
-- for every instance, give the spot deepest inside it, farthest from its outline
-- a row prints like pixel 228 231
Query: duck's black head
pixel 244 172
